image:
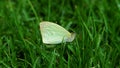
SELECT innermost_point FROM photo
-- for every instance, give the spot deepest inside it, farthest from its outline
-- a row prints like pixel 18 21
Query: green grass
pixel 95 22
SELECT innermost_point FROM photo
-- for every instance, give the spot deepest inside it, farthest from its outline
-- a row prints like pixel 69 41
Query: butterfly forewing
pixel 53 33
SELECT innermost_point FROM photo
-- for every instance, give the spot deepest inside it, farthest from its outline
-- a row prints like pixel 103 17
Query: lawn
pixel 95 22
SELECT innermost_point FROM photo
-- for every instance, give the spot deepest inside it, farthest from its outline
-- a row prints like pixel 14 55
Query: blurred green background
pixel 95 22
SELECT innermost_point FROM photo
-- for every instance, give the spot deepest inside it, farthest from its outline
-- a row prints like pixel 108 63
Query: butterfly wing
pixel 53 33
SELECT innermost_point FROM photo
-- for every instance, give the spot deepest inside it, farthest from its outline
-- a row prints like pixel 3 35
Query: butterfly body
pixel 54 34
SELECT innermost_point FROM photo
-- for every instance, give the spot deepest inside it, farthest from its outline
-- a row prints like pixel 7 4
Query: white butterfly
pixel 54 34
